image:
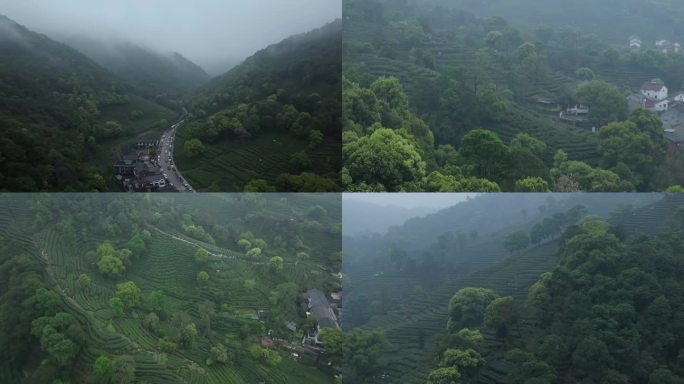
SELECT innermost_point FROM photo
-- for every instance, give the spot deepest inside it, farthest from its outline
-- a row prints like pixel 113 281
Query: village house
pixel 654 90
pixel 136 172
pixel 666 46
pixel 318 306
pixel 577 114
pixel 653 95
pixel 147 143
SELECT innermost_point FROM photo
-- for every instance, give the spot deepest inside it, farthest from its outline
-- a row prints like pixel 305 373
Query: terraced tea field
pixel 417 324
pixel 168 265
pixel 228 165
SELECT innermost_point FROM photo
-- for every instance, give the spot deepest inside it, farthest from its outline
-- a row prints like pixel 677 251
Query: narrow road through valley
pixel 165 160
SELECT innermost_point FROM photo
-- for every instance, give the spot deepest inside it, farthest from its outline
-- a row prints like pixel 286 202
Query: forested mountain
pixel 272 122
pixel 610 310
pixel 368 218
pixel 54 107
pixel 438 99
pixel 614 20
pixel 156 73
pixel 403 282
pixel 162 288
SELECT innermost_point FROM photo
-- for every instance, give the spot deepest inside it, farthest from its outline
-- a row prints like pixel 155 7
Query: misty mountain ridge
pixel 364 218
pixel 614 20
pixel 54 102
pixel 272 102
pixel 169 73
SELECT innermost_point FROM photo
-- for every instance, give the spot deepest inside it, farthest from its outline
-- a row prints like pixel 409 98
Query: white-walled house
pixel 654 91
pixel 657 105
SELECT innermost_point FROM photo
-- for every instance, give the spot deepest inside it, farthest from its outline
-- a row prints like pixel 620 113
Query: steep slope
pixel 53 255
pixel 272 117
pixel 168 74
pixel 410 303
pixel 53 103
pixel 610 19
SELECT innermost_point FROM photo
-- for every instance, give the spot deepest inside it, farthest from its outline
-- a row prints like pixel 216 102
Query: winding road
pixel 165 160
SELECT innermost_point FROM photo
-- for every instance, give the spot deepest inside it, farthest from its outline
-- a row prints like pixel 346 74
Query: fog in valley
pixel 369 213
pixel 214 34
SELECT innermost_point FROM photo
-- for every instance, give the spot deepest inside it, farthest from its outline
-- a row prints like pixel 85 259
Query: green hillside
pixel 474 102
pixel 614 21
pixel 159 75
pixel 408 295
pixel 273 119
pixel 54 106
pixel 58 256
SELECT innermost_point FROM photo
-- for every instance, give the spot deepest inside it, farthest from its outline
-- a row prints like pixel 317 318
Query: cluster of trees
pixel 112 262
pixel 234 107
pixel 610 312
pixel 549 228
pixel 187 327
pixel 469 309
pixel 441 135
pixel 121 369
pixel 387 148
pixel 34 323
pixel 357 349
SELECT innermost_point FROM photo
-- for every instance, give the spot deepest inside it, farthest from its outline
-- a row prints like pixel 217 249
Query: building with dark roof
pixel 318 306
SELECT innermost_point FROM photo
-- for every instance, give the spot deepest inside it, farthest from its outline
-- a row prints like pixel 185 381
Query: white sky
pixel 204 31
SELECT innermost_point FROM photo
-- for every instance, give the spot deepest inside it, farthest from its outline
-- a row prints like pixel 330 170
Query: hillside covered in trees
pixel 163 288
pixel 65 118
pixel 511 288
pixel 159 75
pixel 438 99
pixel 272 122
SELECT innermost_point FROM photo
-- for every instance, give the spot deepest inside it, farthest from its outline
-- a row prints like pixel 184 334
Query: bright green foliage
pixel 532 184
pixel 259 185
pixel 468 338
pixel 254 252
pixel 110 266
pixel 103 367
pixel 193 147
pixel 129 293
pixel 245 244
pixel 462 359
pixel 84 281
pixel 201 256
pixel 449 375
pixel 117 306
pixel 333 341
pixel 220 353
pixel 202 277
pixel 275 263
pixel 167 344
pixel 264 355
pixel 385 158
